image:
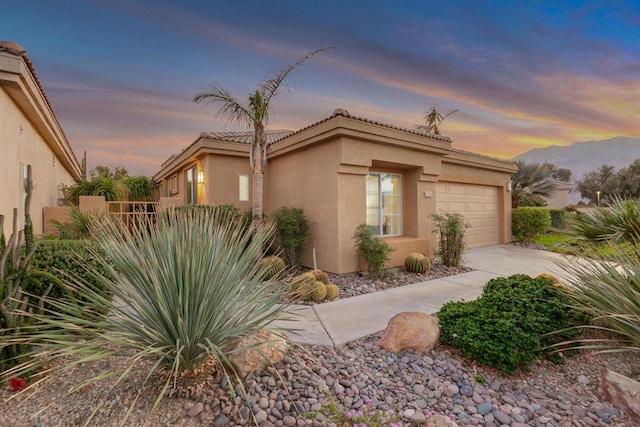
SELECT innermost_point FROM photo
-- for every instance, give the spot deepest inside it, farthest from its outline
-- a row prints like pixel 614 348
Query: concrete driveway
pixel 339 322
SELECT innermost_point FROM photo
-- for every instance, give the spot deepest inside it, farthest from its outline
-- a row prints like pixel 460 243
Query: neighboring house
pixel 344 171
pixel 559 198
pixel 30 134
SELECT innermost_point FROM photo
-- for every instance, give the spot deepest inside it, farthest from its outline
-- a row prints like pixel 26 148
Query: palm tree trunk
pixel 259 164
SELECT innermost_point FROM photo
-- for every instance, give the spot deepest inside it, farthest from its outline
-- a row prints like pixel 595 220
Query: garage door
pixel 479 206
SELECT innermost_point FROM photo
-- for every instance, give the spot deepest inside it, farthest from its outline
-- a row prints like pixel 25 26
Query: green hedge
pixel 62 257
pixel 506 327
pixel 558 218
pixel 528 222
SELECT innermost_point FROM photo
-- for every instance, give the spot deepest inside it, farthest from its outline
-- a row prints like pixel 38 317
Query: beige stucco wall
pixel 560 197
pixel 21 144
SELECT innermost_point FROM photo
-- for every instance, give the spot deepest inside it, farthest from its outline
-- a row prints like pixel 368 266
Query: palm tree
pixel 433 118
pixel 532 179
pixel 255 113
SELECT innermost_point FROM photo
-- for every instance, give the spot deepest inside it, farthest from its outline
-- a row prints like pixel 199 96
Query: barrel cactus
pixel 319 291
pixel 272 266
pixel 332 291
pixel 417 263
pixel 321 276
pixel 301 282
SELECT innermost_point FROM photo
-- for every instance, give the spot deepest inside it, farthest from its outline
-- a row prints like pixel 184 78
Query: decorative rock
pixel 262 349
pixel 582 379
pixel 622 391
pixel 502 417
pixel 484 408
pixel 195 410
pixel 440 421
pixel 289 421
pixel 410 330
pixel 221 420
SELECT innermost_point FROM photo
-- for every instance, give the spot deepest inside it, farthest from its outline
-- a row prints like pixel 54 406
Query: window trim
pixel 378 232
pixel 193 192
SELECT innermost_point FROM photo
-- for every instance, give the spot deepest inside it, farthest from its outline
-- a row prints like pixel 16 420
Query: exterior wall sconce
pixel 201 177
pixel 508 186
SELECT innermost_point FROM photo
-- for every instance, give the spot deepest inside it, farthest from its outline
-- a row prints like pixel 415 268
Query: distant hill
pixel 583 157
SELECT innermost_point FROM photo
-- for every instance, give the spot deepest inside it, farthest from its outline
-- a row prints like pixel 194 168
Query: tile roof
pixel 245 137
pixel 344 113
pixel 481 156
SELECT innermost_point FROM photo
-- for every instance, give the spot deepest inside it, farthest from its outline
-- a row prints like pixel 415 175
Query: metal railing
pixel 132 213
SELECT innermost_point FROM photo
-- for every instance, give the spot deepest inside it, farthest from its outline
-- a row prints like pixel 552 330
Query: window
pixel 384 203
pixel 173 186
pixel 192 187
pixel 243 185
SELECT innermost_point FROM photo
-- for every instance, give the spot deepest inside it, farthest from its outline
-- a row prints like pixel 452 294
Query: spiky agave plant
pixel 188 287
pixel 606 292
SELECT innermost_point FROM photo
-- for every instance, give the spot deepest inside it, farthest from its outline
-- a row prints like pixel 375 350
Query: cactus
pixel 332 291
pixel 319 291
pixel 272 266
pixel 300 281
pixel 417 263
pixel 321 276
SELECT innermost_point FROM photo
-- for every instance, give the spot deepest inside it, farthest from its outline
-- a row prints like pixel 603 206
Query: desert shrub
pixel 606 292
pixel 65 259
pixel 527 200
pixel 189 287
pixel 620 222
pixel 558 218
pixel 77 226
pixel 526 223
pixel 507 326
pixel 292 229
pixel 372 250
pixel 450 228
pixel 140 188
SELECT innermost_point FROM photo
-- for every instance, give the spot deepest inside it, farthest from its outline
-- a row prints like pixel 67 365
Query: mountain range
pixel 586 156
pixel 583 157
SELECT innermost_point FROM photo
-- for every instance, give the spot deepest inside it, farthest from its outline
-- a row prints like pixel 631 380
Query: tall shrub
pixel 528 222
pixel 620 222
pixel 451 229
pixel 292 229
pixel 372 250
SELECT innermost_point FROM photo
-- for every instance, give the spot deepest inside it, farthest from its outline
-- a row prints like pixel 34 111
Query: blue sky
pixel 121 75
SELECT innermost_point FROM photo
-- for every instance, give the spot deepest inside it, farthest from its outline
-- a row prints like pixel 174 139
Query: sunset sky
pixel 121 75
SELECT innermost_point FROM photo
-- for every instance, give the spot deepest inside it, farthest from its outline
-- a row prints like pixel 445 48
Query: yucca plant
pixel 188 288
pixel 620 222
pixel 607 292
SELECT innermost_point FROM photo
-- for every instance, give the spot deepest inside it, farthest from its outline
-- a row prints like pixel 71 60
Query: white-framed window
pixel 243 188
pixel 384 203
pixel 192 186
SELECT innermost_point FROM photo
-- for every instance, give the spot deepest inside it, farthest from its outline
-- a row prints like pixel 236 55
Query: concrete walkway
pixel 341 321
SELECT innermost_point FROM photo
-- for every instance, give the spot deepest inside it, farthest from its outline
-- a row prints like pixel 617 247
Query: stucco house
pixel 30 134
pixel 559 198
pixel 346 170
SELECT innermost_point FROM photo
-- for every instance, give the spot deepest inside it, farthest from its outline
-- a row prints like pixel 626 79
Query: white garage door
pixel 478 204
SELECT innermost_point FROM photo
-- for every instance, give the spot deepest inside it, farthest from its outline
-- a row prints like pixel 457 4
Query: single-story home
pixel 30 134
pixel 346 170
pixel 559 198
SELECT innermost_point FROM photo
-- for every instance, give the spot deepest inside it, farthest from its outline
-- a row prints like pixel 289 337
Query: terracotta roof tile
pixel 245 137
pixel 344 113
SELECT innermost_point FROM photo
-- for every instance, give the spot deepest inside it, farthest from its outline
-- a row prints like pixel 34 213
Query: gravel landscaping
pixel 357 376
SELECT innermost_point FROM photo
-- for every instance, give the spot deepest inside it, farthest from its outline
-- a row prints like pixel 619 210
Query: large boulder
pixel 410 330
pixel 257 352
pixel 622 391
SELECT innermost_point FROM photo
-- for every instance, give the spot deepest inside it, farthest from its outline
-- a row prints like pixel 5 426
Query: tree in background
pixel 630 181
pixel 533 180
pixel 433 119
pixel 560 174
pixel 254 112
pixel 605 180
pixel 111 182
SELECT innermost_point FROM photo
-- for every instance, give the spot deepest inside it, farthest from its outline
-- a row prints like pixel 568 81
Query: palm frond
pixel 231 107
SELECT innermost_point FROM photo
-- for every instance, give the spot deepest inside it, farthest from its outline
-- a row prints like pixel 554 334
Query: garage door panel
pixel 479 206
